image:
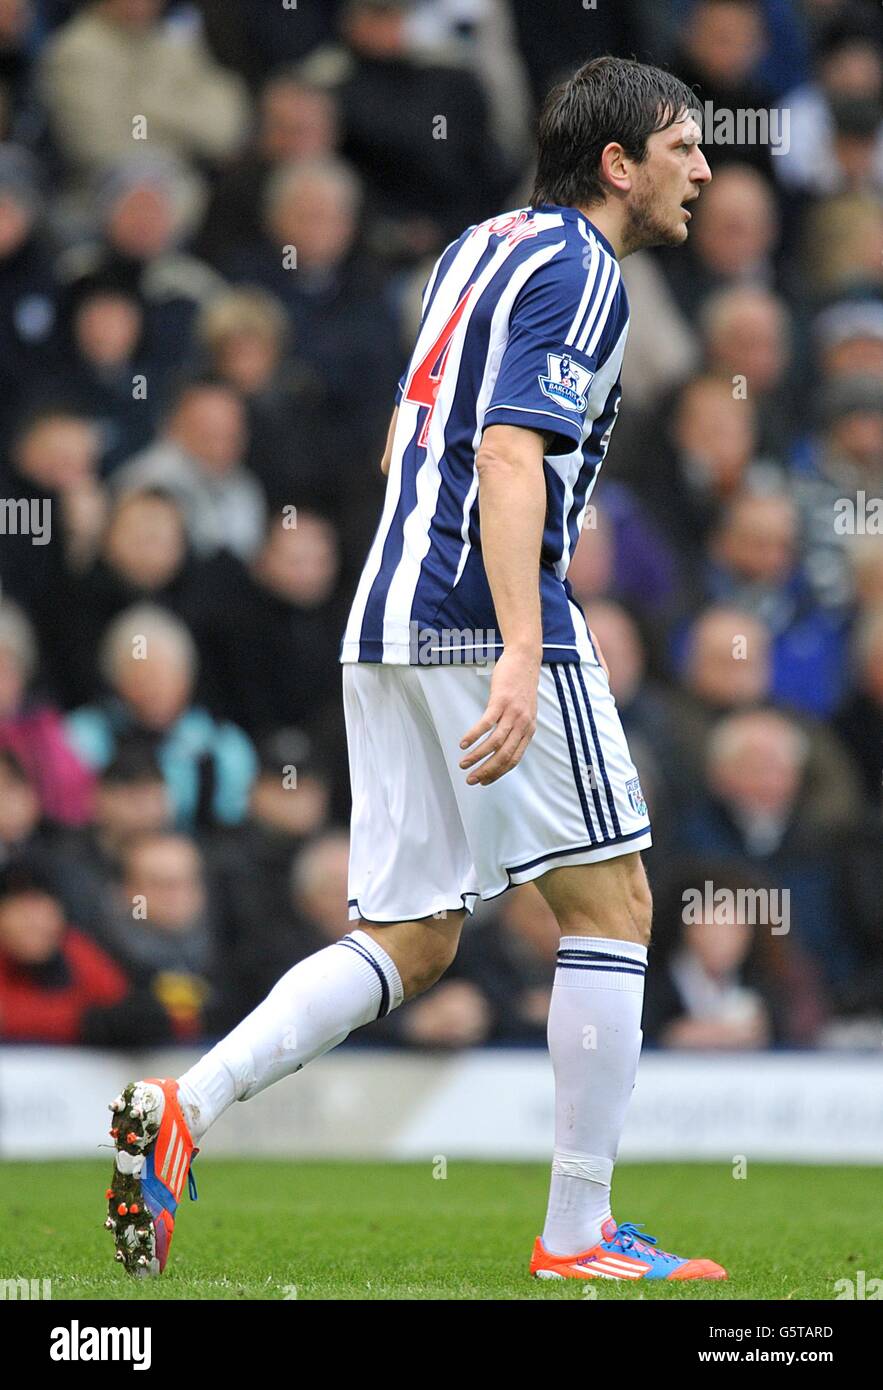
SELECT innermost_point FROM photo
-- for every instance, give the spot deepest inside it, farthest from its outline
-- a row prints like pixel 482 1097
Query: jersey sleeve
pixel 564 322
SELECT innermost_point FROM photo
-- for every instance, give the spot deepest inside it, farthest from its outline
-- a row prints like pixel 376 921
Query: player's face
pixel 671 176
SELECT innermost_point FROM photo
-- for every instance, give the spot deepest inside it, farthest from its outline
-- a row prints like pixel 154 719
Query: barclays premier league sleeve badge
pixel 567 383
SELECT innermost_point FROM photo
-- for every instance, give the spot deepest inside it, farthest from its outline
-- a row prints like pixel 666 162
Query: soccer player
pixel 485 748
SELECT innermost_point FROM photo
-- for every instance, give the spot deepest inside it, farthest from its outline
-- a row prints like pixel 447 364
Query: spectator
pixel 33 730
pixel 849 67
pixel 269 632
pixel 295 121
pixel 117 63
pixel 149 663
pixel 143 211
pixel 707 454
pixel 721 979
pixel 296 436
pixel 334 294
pixel 253 37
pixel 754 565
pixel 50 479
pixel 144 555
pixel 839 481
pixel 756 809
pixel 856 144
pixel 747 339
pixel 163 931
pixel 722 44
pixel 426 187
pixel 841 239
pixel 131 800
pixel 198 460
pixel 102 332
pixel 481 35
pixel 51 976
pixel 727 667
pixel 849 339
pixel 318 887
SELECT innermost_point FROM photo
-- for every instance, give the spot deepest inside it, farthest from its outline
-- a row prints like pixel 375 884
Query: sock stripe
pixel 567 955
pixel 366 955
pixel 603 969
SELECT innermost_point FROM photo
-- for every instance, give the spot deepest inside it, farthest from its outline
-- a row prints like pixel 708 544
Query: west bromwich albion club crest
pixel 636 796
pixel 567 383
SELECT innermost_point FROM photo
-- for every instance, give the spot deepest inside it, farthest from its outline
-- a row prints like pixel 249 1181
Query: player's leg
pixel 410 874
pixel 572 818
pixel 603 911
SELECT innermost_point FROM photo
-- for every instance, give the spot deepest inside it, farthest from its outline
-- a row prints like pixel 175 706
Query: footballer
pixel 492 753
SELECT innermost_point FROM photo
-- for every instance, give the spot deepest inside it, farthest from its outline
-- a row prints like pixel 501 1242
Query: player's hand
pixel 509 722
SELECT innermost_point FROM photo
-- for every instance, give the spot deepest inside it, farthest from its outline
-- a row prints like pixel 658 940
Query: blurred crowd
pixel 215 223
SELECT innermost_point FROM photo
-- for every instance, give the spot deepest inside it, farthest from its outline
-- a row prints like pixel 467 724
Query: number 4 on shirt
pixel 423 388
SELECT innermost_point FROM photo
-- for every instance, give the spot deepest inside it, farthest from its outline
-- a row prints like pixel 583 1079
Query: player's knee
pixel 421 951
pixel 426 964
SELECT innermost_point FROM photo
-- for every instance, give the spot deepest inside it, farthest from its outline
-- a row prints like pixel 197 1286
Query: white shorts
pixel 423 842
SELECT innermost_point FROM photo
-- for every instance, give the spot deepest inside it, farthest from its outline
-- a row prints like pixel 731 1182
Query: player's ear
pixel 615 166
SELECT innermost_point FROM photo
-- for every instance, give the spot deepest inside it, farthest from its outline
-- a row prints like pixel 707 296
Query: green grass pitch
pixel 276 1230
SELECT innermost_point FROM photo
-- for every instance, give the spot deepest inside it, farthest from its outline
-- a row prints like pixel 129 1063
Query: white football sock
pixel 595 1042
pixel 312 1009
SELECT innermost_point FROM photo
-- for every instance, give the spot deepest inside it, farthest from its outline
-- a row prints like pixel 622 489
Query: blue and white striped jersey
pixel 524 323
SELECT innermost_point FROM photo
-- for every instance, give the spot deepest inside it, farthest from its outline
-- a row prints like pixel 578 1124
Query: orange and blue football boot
pixel 153 1160
pixel 623 1252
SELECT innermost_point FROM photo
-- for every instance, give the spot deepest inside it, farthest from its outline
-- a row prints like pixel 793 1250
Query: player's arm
pixel 512 508
pixel 387 452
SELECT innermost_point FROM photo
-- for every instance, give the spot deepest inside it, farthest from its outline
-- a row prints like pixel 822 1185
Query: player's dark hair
pixel 607 99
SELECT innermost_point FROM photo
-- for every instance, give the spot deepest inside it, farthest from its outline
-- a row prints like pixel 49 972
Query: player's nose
pixel 701 173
